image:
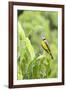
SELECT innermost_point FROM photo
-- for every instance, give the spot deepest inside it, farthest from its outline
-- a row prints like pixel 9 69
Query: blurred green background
pixel 33 62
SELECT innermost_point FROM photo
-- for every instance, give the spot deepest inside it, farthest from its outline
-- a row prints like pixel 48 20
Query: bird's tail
pixel 51 55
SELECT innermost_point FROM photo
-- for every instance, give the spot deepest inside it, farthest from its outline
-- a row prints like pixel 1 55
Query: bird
pixel 45 46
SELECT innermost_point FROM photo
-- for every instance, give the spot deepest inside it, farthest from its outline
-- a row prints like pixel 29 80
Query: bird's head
pixel 43 37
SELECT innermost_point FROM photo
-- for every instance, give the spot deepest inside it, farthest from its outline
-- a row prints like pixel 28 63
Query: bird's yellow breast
pixel 43 44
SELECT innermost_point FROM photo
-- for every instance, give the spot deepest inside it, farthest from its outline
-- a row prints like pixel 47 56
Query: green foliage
pixel 33 61
pixel 39 68
pixel 25 50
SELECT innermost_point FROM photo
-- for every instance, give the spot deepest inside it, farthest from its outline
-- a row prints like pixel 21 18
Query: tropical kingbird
pixel 45 46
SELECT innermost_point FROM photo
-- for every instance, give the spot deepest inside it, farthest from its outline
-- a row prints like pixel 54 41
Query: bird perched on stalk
pixel 45 46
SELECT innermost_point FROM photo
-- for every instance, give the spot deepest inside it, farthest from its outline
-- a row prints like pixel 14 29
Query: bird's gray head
pixel 43 37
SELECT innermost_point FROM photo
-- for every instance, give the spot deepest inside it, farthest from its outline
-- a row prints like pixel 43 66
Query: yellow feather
pixel 44 45
pixel 46 48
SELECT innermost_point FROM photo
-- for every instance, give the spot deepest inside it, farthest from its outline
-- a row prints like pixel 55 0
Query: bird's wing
pixel 49 49
pixel 47 45
pixel 44 48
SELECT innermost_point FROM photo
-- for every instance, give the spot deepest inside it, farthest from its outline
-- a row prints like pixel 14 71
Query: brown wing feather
pixel 47 45
pixel 49 49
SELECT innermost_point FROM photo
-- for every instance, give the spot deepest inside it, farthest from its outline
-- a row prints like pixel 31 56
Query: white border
pixel 34 81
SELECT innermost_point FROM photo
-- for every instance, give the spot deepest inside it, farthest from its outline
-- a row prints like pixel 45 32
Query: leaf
pixel 30 48
pixel 21 32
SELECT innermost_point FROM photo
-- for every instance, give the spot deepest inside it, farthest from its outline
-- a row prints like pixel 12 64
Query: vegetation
pixel 33 62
